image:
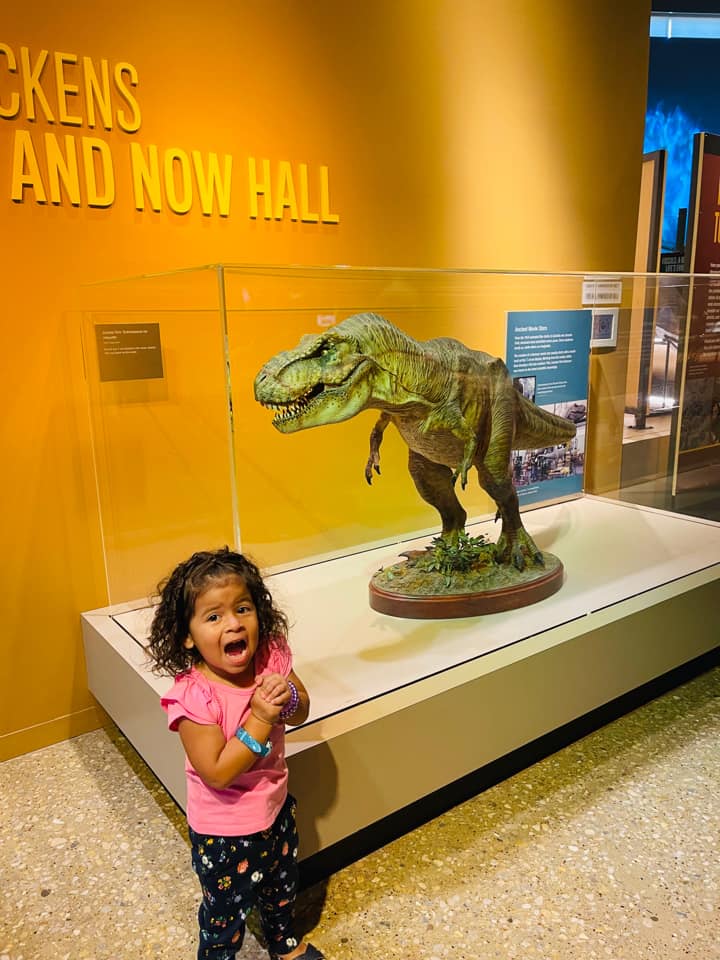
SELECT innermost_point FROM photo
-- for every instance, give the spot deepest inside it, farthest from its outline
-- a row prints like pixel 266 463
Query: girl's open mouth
pixel 236 647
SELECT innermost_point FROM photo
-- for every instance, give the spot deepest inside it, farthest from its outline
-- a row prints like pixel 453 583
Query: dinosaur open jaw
pixel 295 408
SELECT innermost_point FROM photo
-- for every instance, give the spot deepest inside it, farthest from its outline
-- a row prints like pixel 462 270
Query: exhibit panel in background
pixel 640 399
pixel 698 443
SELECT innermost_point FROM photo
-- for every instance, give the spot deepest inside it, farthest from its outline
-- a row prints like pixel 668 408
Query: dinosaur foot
pixel 518 550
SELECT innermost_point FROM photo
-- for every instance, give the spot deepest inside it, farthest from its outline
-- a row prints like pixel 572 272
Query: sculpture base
pixel 520 589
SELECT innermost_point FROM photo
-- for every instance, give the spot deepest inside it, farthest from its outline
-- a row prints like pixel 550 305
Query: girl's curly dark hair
pixel 178 593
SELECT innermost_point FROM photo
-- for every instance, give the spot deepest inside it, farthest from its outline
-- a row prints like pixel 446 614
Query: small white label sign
pixel 601 292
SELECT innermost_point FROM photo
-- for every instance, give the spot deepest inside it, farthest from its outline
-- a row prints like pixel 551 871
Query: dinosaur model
pixel 455 408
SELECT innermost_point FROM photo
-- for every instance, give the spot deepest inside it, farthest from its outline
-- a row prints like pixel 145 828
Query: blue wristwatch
pixel 252 744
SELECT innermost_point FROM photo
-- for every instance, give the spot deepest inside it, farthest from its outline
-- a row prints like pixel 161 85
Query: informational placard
pixel 601 291
pixel 129 351
pixel 548 356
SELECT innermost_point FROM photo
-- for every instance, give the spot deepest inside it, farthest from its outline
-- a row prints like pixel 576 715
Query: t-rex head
pixel 325 379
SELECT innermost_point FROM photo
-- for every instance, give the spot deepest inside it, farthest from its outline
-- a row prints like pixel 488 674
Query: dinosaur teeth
pixel 293 409
pixel 288 411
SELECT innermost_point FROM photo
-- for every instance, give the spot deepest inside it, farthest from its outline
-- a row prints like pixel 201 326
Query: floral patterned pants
pixel 239 873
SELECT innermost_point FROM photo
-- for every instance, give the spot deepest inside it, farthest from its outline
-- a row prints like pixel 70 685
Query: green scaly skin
pixel 454 407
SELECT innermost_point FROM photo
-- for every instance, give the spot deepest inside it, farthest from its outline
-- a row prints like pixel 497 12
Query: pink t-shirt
pixel 254 798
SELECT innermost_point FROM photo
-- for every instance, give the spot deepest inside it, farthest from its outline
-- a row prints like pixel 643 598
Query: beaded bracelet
pixel 290 708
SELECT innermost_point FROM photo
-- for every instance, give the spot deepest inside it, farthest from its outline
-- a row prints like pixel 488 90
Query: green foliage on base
pixel 459 554
pixel 465 565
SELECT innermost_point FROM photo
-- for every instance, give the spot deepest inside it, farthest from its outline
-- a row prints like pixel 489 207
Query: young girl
pixel 218 632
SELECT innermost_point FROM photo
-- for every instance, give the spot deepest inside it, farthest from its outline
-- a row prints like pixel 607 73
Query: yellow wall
pixel 476 134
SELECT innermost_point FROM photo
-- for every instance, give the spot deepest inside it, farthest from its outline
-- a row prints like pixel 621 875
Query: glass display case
pixel 186 458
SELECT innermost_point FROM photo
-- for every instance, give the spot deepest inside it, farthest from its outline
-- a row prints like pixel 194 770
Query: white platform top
pixel 347 653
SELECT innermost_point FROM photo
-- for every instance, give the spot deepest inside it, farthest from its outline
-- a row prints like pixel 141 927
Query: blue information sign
pixel 547 354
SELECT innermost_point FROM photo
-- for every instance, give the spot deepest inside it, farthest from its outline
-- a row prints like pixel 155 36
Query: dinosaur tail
pixel 539 428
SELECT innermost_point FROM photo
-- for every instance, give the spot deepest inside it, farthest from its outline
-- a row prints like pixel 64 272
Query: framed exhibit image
pixel 604 327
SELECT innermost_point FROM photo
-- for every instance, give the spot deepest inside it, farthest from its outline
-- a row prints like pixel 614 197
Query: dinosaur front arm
pixel 376 435
pixel 469 450
pixel 449 417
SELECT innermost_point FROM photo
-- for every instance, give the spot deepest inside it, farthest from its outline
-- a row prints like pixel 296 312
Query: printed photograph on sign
pixel 526 387
pixel 534 467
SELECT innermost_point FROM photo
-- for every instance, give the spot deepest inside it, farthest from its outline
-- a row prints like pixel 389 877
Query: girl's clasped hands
pixel 271 694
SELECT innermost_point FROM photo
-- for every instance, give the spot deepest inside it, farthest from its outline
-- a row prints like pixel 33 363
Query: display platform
pixel 641 592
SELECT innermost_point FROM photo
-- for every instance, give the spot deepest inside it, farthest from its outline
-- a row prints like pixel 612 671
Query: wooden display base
pixel 450 606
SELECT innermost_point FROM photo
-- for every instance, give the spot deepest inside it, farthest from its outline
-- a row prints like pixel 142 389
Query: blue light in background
pixel 693 25
pixel 682 100
pixel 672 130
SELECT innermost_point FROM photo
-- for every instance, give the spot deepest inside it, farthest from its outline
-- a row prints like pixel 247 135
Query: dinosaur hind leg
pixel 434 483
pixel 515 544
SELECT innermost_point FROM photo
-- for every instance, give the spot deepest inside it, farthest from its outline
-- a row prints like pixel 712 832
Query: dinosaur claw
pixel 463 478
pixel 518 550
pixel 369 467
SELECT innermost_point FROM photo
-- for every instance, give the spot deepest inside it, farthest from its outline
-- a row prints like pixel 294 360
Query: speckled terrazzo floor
pixel 607 850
